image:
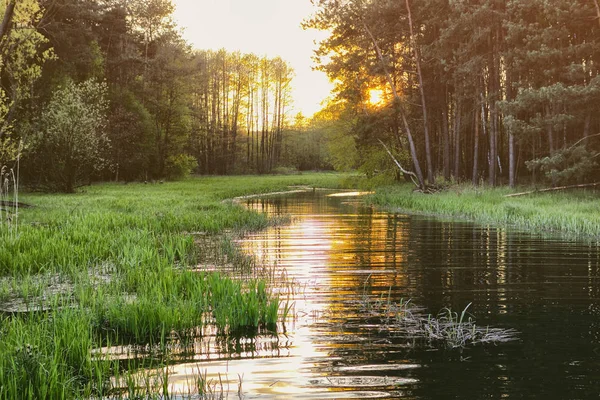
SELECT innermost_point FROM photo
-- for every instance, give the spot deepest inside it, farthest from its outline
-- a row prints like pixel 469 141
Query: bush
pixel 179 166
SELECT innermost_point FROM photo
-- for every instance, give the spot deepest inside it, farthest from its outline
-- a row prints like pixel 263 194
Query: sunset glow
pixel 376 97
pixel 263 27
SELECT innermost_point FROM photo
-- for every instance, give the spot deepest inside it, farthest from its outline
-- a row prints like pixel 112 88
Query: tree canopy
pixel 486 89
pixel 496 91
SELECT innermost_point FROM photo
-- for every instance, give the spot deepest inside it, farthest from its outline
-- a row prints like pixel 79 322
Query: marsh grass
pixel 448 328
pixel 574 213
pixel 9 198
pixel 122 265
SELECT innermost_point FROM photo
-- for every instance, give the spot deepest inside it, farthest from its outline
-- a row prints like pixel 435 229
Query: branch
pixel 411 143
pixel 7 20
pixel 584 138
pixel 553 189
pixel 412 174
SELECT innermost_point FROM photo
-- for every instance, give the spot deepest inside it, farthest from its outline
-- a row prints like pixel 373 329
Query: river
pixel 345 259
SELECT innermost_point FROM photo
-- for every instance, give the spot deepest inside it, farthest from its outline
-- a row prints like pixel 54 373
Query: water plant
pixel 448 328
pixel 9 195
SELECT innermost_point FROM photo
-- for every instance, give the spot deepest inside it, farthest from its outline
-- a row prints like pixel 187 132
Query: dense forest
pixel 109 90
pixel 496 91
pixel 488 91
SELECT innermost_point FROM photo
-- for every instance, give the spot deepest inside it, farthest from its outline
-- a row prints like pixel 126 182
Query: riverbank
pixel 574 213
pixel 125 266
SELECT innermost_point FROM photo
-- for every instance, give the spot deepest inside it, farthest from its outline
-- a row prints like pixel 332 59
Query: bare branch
pixel 7 20
pixel 584 138
pixel 404 171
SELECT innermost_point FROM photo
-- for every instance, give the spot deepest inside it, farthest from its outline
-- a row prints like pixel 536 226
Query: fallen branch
pixel 9 203
pixel 583 185
pixel 582 139
pixel 410 173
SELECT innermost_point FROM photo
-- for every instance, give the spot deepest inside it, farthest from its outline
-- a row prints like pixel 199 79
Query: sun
pixel 376 97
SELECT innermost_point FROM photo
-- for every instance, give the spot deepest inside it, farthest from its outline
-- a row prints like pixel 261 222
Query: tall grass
pixel 9 196
pixel 119 264
pixel 570 213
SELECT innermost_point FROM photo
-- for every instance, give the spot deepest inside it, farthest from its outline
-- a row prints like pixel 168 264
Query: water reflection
pixel 339 251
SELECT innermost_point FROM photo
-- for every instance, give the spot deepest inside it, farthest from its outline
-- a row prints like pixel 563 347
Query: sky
pixel 263 27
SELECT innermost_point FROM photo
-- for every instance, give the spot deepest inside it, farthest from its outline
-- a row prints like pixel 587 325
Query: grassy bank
pixel 570 213
pixel 117 264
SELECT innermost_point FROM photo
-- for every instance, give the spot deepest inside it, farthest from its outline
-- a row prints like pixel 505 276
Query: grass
pixel 568 213
pixel 447 329
pixel 118 264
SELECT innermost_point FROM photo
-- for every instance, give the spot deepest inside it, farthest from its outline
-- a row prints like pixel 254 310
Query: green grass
pixel 568 213
pixel 117 264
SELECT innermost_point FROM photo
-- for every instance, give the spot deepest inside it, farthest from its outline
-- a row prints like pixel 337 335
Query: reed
pixel 448 328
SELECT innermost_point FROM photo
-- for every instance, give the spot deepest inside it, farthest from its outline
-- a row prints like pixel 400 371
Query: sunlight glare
pixel 262 27
pixel 376 97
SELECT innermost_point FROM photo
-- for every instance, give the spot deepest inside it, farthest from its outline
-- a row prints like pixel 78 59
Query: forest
pixel 494 91
pixel 497 92
pixel 109 90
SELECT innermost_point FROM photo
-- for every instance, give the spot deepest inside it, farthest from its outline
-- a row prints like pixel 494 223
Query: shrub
pixel 180 166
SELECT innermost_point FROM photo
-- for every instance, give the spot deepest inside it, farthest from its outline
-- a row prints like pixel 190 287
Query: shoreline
pixel 570 216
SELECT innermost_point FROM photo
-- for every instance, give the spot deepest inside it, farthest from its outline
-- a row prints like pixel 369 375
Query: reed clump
pixel 448 328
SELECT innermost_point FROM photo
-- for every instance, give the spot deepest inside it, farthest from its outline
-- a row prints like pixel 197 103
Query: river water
pixel 344 257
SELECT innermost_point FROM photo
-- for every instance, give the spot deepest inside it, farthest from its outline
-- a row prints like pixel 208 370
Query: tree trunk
pixel 457 128
pixel 446 140
pixel 430 176
pixel 7 20
pixel 493 146
pixel 550 132
pixel 411 143
pixel 475 177
pixel 586 125
pixel 511 137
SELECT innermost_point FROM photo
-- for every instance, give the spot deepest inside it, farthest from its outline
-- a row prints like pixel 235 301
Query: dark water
pixel 338 251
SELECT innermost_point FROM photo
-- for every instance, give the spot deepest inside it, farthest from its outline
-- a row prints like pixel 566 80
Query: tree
pixel 21 57
pixel 75 141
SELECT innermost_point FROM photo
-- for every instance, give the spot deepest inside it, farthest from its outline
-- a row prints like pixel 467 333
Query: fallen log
pixel 8 203
pixel 583 185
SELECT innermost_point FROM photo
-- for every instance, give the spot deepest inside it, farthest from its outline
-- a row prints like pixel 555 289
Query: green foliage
pixel 335 125
pixel 180 166
pixel 566 166
pixel 74 137
pixel 132 136
pixel 22 55
pixel 305 149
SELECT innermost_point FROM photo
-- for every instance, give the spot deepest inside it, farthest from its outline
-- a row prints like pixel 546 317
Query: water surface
pixel 339 252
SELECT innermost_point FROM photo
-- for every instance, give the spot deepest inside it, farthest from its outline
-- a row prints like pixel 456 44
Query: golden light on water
pixel 349 194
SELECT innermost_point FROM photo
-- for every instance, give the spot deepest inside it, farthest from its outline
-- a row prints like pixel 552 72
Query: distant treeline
pixel 497 91
pixel 108 89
